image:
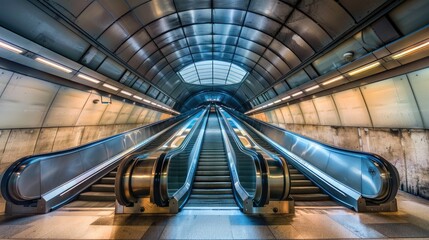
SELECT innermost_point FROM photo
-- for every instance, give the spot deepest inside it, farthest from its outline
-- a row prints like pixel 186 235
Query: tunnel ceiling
pixel 157 39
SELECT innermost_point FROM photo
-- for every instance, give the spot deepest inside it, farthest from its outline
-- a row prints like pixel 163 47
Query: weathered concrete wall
pixel 407 149
pixel 17 143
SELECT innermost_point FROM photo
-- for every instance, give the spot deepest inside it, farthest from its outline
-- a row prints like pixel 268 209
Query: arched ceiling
pixel 205 97
pixel 267 38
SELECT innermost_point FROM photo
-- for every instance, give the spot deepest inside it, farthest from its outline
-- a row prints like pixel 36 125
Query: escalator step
pixel 298 183
pixel 111 174
pixel 297 177
pixel 103 188
pixel 293 171
pixel 211 191
pixel 213 163
pixel 218 196
pixel 212 173
pixel 97 196
pixel 212 168
pixel 304 190
pixel 212 179
pixel 107 180
pixel 211 185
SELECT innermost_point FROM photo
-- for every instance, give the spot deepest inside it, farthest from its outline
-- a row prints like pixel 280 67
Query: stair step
pixel 211 191
pixel 211 185
pixel 97 196
pixel 103 188
pixel 298 183
pixel 212 179
pixel 304 189
pixel 294 171
pixel 107 180
pixel 310 197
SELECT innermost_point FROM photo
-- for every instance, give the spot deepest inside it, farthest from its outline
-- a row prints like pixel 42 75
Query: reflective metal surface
pixel 349 176
pixel 54 178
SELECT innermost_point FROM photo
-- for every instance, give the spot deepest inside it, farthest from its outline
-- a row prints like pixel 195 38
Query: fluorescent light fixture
pixel 332 80
pixel 153 103
pixel 265 106
pixel 88 78
pixel 126 93
pixel 110 87
pixel 364 68
pixel 10 47
pixel 137 97
pixel 312 88
pixel 296 94
pixel 285 98
pixel 269 104
pixel 145 100
pixel 406 52
pixel 53 64
pixel 278 101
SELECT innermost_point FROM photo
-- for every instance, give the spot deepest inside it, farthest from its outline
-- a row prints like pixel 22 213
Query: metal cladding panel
pixel 275 9
pixel 309 112
pixel 285 53
pixel 66 107
pixel 153 10
pixel 195 16
pixel 391 103
pixel 420 85
pixel 113 37
pixel 360 9
pixel 133 44
pixel 25 102
pixel 231 16
pixel 256 36
pixel 275 60
pixel 327 111
pixel 192 4
pixel 298 79
pixel 351 108
pixel 73 7
pixel 295 43
pixel 111 69
pixel 95 19
pixel 5 76
pixel 296 114
pixel 111 113
pixel 163 25
pixel 308 30
pixel 196 29
pixel 328 14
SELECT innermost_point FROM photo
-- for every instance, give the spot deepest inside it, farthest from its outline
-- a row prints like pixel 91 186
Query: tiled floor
pixel 412 221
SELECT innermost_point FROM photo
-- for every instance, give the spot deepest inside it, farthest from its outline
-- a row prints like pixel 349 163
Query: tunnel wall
pixel 389 118
pixel 39 116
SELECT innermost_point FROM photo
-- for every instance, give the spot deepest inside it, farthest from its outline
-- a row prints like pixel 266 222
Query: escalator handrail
pixel 11 192
pixel 261 166
pixel 390 173
pixel 281 162
pixel 160 182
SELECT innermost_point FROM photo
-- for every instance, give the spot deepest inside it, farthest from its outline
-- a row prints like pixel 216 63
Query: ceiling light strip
pixel 88 78
pixel 364 68
pixel 10 47
pixel 110 87
pixel 411 50
pixel 332 80
pixel 53 64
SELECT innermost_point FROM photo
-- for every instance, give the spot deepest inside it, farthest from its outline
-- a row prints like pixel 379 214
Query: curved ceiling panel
pixel 268 39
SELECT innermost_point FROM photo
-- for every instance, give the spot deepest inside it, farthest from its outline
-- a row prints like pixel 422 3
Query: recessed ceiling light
pixel 53 64
pixel 88 78
pixel 10 47
pixel 406 52
pixel 333 80
pixel 364 68
pixel 126 93
pixel 296 94
pixel 110 87
pixel 312 88
pixel 137 97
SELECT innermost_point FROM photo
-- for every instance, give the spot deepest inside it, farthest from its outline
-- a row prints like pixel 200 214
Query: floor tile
pixel 400 230
pixel 251 232
pixel 353 223
pixel 285 232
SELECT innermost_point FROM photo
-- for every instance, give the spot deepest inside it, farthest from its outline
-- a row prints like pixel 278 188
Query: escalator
pixel 303 190
pixel 102 193
pixel 212 183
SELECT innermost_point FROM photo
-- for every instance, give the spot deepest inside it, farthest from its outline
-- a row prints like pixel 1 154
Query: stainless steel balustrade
pixel 139 175
pixel 41 183
pixel 362 181
pixel 278 173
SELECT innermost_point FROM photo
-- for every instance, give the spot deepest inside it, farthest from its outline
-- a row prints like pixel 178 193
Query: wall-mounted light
pixel 277 101
pixel 110 87
pixel 126 93
pixel 146 101
pixel 312 88
pixel 297 94
pixel 332 80
pixel 88 78
pixel 53 64
pixel 10 47
pixel 364 68
pixel 285 98
pixel 411 50
pixel 137 97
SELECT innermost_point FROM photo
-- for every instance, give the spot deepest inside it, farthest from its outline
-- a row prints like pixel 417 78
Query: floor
pixel 411 221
